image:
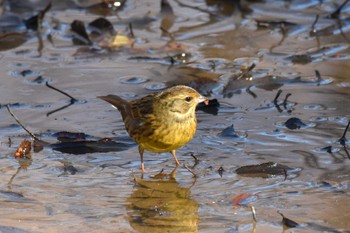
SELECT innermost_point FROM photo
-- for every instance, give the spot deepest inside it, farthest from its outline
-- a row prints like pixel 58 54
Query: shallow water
pixel 107 194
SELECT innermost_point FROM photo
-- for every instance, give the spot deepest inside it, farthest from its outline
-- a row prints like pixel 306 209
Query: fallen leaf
pixel 264 170
pixel 243 199
pixel 24 149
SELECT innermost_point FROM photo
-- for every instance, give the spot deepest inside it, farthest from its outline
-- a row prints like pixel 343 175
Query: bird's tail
pixel 117 102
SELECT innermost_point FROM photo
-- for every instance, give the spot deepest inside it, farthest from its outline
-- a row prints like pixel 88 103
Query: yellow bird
pixel 160 122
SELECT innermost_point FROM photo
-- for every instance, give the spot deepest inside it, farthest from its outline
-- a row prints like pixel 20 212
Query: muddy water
pixel 107 193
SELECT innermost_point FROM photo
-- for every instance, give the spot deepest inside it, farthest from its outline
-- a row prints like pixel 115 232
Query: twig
pixel 38 34
pixel 39 28
pixel 13 115
pixel 62 92
pixel 277 96
pixel 318 75
pixel 286 99
pixel 313 31
pixel 246 71
pixel 195 157
pixel 346 151
pixel 132 35
pixel 339 23
pixel 342 139
pixel 253 213
pixel 251 68
pixel 188 169
pixel 171 35
pixel 250 92
pixel 336 13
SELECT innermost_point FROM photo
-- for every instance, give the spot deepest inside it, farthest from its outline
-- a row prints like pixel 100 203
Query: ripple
pixel 319 119
pixel 103 159
pixel 261 73
pixel 155 86
pixel 339 119
pixel 246 61
pixel 303 126
pixel 325 50
pixel 314 107
pixel 337 57
pixel 324 79
pixel 128 95
pixel 24 73
pixel 328 149
pixel 344 84
pixel 212 64
pixel 131 79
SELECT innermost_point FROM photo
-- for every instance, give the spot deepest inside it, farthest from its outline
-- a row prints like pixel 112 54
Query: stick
pixel 13 115
pixel 188 169
pixel 62 92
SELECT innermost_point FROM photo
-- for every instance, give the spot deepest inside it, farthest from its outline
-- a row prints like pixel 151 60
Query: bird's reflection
pixel 162 206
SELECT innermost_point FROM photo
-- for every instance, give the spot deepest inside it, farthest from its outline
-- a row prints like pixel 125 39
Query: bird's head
pixel 180 100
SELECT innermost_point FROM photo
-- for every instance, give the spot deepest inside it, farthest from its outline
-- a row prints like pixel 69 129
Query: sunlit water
pixel 107 194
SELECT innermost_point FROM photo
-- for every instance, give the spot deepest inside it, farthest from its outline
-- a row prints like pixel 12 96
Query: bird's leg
pixel 172 175
pixel 174 155
pixel 141 150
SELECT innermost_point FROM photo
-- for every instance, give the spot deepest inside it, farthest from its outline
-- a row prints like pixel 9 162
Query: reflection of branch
pixel 194 7
pixel 171 35
pixel 250 92
pixel 13 115
pixel 14 175
pixel 275 101
pixel 313 31
pixel 188 169
pixel 284 35
pixel 132 35
pixel 285 100
pixel 59 109
pixel 339 23
pixel 39 35
pixel 346 151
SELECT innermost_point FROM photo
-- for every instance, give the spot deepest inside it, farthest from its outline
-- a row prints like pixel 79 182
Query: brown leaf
pixel 243 199
pixel 23 150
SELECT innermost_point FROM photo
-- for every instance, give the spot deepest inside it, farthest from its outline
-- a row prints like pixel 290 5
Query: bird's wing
pixel 118 102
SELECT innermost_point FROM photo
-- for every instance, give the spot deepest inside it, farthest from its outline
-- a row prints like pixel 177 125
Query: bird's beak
pixel 203 99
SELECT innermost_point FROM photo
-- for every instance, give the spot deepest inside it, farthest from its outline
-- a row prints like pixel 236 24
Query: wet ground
pixel 298 47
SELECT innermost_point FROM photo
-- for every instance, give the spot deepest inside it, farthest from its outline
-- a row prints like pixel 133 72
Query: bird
pixel 160 122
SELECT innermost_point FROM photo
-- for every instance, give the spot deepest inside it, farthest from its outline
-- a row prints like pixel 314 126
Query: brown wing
pixel 121 104
pixel 142 107
pixel 135 113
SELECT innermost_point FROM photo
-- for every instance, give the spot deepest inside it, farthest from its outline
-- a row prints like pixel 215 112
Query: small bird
pixel 160 122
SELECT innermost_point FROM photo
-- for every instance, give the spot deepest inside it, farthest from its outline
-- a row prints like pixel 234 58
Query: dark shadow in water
pixel 162 206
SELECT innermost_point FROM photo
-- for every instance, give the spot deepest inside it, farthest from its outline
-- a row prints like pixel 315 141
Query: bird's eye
pixel 188 99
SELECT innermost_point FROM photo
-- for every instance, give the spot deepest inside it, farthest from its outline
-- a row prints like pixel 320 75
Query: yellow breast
pixel 169 136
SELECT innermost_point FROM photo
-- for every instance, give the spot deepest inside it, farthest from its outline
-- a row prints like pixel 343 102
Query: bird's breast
pixel 168 135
